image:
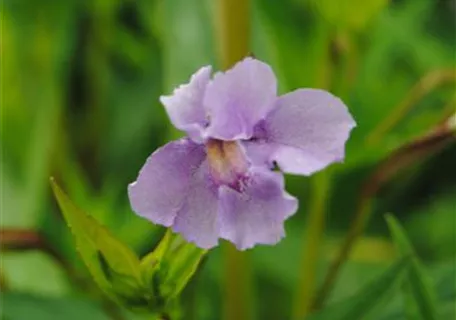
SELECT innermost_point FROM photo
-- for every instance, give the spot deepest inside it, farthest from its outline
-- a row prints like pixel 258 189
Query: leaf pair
pixel 151 284
pixel 170 266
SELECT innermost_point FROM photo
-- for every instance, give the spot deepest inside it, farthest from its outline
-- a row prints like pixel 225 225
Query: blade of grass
pixel 418 289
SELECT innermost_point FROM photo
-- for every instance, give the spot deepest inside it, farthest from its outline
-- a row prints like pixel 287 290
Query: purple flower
pixel 219 182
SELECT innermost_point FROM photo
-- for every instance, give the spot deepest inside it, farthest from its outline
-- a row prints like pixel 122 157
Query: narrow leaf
pixel 151 262
pixel 418 289
pixel 178 266
pixel 114 267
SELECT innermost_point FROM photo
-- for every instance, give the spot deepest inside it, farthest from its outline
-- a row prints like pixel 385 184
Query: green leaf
pixel 418 289
pixel 178 265
pixel 151 262
pixel 168 269
pixel 444 278
pixel 368 299
pixel 114 267
pixel 17 306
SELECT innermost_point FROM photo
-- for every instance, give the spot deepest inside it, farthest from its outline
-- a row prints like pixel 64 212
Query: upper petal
pixel 185 105
pixel 197 220
pixel 164 180
pixel 257 214
pixel 307 131
pixel 237 99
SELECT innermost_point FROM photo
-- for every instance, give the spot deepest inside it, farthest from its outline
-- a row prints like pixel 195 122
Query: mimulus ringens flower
pixel 219 182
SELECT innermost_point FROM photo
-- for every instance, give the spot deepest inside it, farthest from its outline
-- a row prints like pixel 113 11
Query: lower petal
pixel 197 220
pixel 257 214
pixel 164 180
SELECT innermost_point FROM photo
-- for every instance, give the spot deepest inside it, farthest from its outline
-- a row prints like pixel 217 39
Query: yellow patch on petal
pixel 226 160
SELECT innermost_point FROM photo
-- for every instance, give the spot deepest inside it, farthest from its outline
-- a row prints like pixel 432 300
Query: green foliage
pixel 80 87
pixel 446 290
pixel 151 262
pixel 179 264
pixel 17 306
pixel 152 284
pixel 441 231
pixel 419 291
pixel 368 299
pixel 168 268
pixel 114 267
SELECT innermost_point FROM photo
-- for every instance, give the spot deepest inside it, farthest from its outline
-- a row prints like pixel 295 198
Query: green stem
pixel 312 247
pixel 233 42
pixel 237 294
pixel 234 31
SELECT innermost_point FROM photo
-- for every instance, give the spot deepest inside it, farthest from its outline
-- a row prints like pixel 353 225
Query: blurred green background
pixel 80 82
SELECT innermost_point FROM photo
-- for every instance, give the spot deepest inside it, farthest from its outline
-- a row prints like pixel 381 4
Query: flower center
pixel 227 162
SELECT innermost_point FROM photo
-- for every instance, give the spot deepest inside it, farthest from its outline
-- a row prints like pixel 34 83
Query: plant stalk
pixel 312 247
pixel 233 46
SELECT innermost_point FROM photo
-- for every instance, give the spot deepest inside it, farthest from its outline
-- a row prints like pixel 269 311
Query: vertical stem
pixel 315 223
pixel 234 31
pixel 237 297
pixel 233 41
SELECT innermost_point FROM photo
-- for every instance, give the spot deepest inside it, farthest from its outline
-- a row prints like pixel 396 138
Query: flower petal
pixel 237 99
pixel 163 182
pixel 256 215
pixel 305 133
pixel 197 220
pixel 185 105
